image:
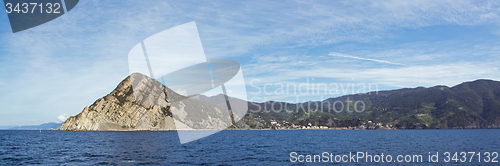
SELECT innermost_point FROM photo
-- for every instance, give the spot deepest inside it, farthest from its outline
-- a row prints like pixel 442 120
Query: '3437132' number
pixel 25 7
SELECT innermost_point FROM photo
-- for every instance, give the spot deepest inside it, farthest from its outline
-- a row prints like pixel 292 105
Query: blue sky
pixel 61 66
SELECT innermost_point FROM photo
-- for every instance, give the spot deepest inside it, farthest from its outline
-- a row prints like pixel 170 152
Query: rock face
pixel 140 103
pixel 122 110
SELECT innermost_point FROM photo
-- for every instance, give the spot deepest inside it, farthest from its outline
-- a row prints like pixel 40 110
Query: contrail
pixel 368 59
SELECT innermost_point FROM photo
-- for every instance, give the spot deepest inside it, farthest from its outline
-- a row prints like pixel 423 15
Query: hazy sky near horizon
pixel 56 69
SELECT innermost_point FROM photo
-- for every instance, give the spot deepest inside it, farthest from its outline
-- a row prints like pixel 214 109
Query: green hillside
pixel 473 104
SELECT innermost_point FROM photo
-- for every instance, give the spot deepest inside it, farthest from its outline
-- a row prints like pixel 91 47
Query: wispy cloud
pixel 427 64
pixel 386 78
pixel 361 58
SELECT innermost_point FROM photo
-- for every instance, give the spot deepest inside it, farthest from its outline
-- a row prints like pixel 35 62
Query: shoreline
pixel 252 129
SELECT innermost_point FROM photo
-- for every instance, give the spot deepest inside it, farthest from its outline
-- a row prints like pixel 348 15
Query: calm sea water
pixel 261 147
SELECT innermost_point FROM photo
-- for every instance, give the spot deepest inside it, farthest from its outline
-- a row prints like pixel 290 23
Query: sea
pixel 253 147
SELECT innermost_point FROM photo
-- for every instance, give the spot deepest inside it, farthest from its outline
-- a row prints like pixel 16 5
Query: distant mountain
pixel 45 126
pixel 473 104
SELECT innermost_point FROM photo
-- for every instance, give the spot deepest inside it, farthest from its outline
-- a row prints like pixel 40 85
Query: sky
pixel 54 70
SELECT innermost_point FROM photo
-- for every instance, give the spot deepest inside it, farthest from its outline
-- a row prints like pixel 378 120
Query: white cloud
pixel 441 64
pixel 385 78
pixel 413 76
pixel 62 117
pixel 182 92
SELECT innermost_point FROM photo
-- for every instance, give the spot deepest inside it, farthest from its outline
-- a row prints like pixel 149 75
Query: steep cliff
pixel 141 103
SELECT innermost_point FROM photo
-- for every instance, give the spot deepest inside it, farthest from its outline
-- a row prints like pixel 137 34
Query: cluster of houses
pixel 286 125
pixel 371 125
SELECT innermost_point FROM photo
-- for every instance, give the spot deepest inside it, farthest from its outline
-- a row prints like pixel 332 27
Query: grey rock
pixel 141 103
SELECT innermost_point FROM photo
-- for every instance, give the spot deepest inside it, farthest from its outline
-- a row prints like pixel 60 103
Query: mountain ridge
pixel 472 104
pixel 44 126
